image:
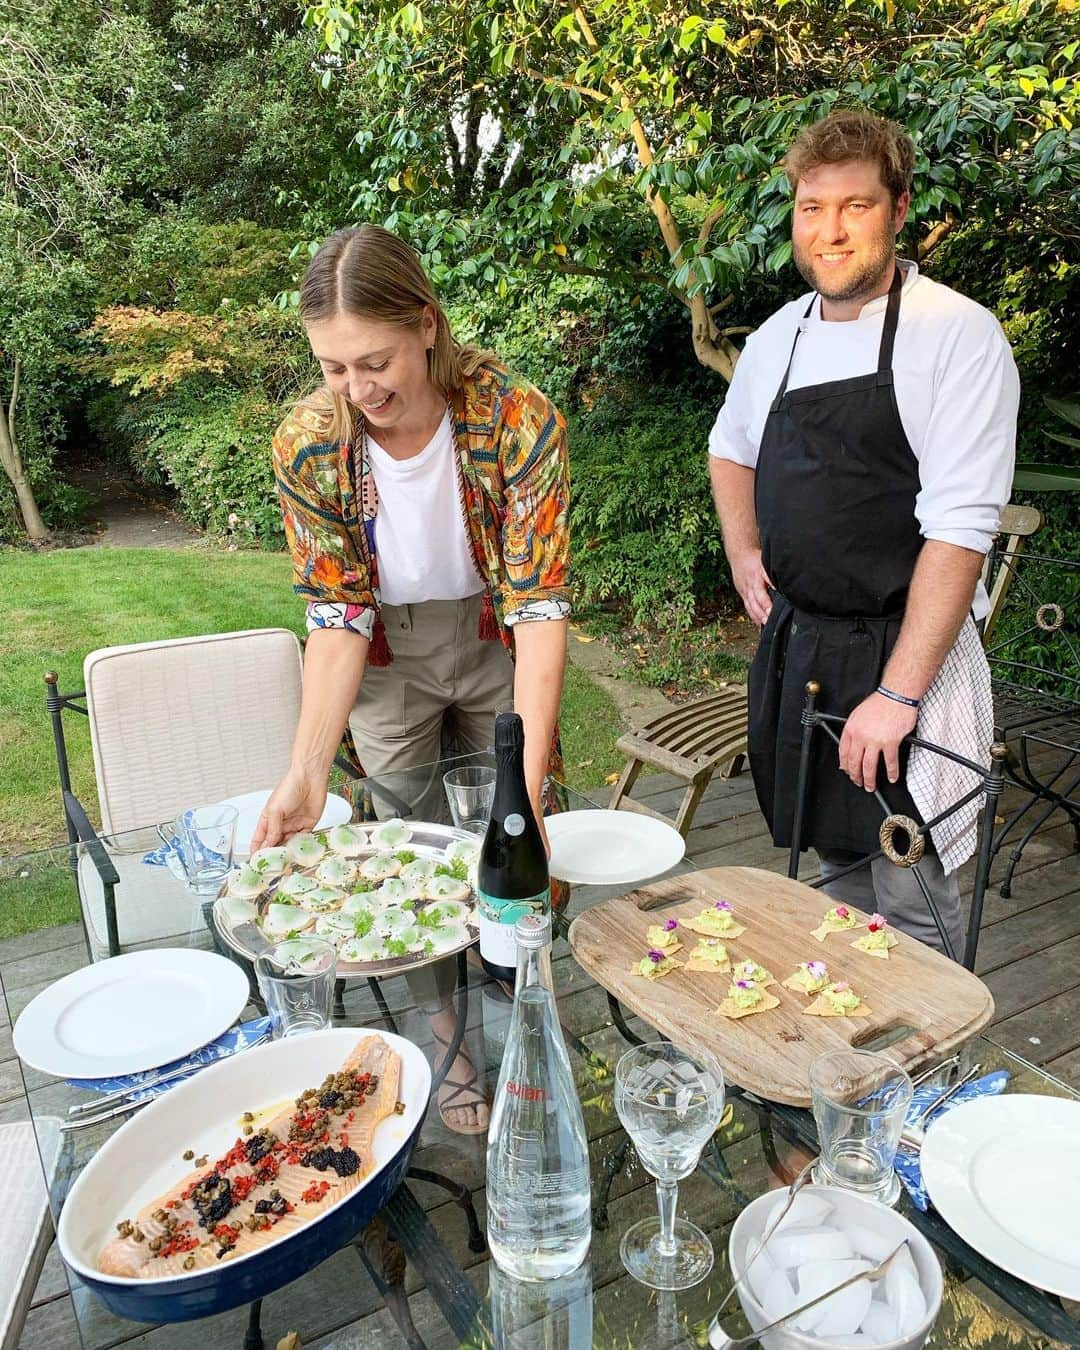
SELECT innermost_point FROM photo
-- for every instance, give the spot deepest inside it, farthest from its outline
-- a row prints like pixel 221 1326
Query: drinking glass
pixel 470 792
pixel 670 1102
pixel 205 837
pixel 296 978
pixel 860 1100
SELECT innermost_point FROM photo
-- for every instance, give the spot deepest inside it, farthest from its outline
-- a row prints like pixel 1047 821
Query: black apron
pixel 834 494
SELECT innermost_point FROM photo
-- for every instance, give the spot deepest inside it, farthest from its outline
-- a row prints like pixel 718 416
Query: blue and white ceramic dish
pixel 144 1158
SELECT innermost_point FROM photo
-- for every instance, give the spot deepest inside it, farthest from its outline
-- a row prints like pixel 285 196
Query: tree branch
pixel 708 223
pixel 936 235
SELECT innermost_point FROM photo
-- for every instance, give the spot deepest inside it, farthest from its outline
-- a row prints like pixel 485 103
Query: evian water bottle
pixel 538 1197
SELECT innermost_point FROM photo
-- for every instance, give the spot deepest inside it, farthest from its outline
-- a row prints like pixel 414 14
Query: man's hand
pixel 876 727
pixel 753 583
pixel 295 804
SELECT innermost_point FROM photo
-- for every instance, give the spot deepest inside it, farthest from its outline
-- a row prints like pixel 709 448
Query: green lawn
pixel 55 607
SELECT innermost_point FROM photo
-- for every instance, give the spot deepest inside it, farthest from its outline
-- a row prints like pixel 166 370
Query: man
pixel 859 466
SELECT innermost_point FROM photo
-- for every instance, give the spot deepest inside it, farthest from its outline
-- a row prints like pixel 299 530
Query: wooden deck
pixel 1029 956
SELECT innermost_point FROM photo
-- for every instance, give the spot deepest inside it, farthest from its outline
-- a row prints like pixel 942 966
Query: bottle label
pixel 496 918
pixel 514 824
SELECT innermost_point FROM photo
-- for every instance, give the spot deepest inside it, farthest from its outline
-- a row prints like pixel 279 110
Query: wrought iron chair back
pixel 991 781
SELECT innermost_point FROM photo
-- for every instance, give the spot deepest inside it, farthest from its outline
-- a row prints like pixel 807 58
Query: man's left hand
pixel 875 728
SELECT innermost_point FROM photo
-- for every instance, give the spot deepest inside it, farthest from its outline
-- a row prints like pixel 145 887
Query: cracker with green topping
pixel 730 1009
pixel 838 1000
pixel 710 957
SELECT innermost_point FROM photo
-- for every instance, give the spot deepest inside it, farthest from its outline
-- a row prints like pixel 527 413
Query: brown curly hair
pixel 852 133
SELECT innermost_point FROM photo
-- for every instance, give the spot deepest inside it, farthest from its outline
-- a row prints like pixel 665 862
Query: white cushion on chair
pixel 26 1228
pixel 186 721
pixel 152 906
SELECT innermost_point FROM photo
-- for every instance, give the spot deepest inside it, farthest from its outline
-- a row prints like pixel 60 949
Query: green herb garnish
pixel 363 925
pixel 458 869
pixel 395 947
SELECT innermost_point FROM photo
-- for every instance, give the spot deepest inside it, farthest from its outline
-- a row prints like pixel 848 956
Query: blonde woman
pixel 425 493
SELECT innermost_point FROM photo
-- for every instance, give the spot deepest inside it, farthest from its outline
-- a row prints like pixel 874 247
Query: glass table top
pixel 412 1279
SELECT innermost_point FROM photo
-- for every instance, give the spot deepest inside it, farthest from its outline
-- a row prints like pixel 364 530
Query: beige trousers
pixel 438 697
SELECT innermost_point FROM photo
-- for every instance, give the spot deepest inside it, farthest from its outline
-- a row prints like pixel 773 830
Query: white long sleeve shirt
pixel 957 392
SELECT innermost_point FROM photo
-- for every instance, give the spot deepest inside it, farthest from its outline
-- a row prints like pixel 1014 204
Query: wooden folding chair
pixel 691 741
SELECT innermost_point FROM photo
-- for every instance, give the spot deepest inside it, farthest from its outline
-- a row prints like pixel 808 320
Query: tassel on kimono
pixel 379 653
pixel 488 630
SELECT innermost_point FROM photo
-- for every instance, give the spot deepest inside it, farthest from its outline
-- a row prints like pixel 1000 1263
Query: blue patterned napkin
pixel 229 1043
pixel 171 855
pixel 908 1165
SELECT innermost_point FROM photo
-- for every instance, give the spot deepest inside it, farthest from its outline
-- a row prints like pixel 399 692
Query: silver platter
pixel 428 840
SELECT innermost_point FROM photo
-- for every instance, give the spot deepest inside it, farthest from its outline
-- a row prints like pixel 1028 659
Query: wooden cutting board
pixel 924 1005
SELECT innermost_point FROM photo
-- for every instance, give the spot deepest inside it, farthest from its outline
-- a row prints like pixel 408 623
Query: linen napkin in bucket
pixel 908 1163
pixel 230 1042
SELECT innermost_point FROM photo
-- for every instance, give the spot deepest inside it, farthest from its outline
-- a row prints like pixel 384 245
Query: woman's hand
pixel 295 805
pixel 537 800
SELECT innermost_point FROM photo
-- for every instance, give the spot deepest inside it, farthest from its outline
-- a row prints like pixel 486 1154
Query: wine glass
pixel 669 1102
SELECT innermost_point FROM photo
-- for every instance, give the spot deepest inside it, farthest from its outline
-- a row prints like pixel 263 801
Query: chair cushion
pixel 152 906
pixel 190 720
pixel 26 1230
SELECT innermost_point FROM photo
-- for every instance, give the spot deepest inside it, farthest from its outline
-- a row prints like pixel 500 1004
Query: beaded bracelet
pixel 898 698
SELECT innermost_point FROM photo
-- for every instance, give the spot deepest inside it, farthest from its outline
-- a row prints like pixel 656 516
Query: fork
pixel 913 1135
pixel 720 1340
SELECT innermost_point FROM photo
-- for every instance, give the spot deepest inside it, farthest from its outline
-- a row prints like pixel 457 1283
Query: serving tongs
pixel 720 1340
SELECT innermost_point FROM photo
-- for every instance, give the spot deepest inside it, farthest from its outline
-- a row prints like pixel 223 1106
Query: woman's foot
pixel 463 1104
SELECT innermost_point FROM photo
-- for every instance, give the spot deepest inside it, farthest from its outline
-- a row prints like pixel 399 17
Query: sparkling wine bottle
pixel 513 872
pixel 539 1221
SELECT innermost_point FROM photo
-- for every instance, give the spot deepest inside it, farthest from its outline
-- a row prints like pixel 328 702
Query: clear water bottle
pixel 538 1195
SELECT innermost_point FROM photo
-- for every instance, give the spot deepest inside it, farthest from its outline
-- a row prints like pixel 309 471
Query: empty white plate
pixel 130 1013
pixel 1004 1173
pixel 609 848
pixel 250 804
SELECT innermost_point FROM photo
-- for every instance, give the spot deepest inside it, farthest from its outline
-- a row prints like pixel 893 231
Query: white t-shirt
pixel 420 538
pixel 957 392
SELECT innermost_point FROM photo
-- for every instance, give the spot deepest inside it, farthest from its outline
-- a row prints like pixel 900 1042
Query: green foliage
pixel 642 514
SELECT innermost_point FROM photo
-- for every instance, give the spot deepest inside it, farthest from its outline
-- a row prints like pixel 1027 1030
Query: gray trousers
pixel 894 892
pixel 438 697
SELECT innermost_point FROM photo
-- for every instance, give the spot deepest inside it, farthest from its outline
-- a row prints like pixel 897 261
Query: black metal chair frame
pixel 990 787
pixel 390 1280
pixel 1039 706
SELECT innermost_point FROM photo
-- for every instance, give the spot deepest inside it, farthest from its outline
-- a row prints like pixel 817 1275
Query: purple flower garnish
pixel 671 925
pixel 724 905
pixel 745 984
pixel 816 968
pixel 656 957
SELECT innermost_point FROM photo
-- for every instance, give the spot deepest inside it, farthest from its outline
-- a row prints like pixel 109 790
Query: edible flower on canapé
pixel 750 970
pixel 810 977
pixel 656 963
pixel 745 993
pixel 663 935
pixel 877 939
pixel 841 996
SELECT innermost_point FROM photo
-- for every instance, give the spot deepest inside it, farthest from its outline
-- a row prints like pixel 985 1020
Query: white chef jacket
pixel 957 393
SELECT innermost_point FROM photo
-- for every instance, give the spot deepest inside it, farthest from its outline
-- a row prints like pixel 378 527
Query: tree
pixel 652 134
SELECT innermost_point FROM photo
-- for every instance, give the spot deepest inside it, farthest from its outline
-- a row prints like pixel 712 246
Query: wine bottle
pixel 513 872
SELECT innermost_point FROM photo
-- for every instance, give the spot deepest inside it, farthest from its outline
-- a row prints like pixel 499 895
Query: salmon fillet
pixel 270 1183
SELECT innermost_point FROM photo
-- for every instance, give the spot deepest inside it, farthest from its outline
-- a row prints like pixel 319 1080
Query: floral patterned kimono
pixel 513 475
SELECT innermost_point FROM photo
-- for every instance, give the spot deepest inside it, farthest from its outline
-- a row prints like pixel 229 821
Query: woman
pixel 425 493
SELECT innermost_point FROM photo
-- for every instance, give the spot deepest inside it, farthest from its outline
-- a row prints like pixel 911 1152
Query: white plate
pixel 250 804
pixel 1004 1173
pixel 145 1158
pixel 130 1013
pixel 608 848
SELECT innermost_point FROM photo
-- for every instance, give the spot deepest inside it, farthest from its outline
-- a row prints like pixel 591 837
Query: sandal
pixel 458 1089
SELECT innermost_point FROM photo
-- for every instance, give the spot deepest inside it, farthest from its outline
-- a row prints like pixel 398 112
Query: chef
pixel 859 466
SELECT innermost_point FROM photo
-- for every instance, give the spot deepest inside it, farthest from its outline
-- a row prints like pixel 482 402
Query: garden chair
pixel 27 1230
pixel 691 741
pixel 172 724
pixel 1030 641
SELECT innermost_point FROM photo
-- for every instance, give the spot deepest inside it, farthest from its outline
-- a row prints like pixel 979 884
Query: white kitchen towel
pixel 957 713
